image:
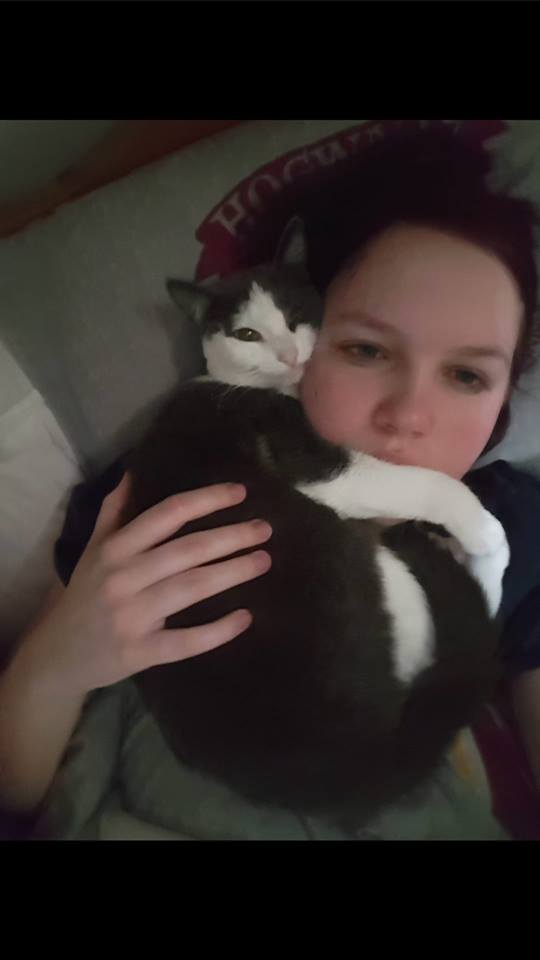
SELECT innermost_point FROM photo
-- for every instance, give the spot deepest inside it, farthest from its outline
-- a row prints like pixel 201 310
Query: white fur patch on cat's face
pixel 277 360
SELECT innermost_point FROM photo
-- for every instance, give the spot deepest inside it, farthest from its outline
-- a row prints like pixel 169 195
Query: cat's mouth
pixel 296 374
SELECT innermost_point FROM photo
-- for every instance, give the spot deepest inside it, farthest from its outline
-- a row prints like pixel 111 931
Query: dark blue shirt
pixel 513 496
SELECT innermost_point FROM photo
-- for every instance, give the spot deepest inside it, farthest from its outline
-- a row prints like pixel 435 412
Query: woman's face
pixel 412 364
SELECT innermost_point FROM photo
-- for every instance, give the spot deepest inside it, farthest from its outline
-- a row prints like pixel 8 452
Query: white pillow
pixel 37 471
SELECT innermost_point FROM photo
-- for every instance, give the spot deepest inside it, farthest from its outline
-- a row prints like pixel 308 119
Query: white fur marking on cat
pixel 374 488
pixel 412 627
pixel 276 361
pixel 260 312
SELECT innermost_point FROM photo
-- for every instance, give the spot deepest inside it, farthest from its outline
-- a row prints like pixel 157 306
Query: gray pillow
pixel 84 308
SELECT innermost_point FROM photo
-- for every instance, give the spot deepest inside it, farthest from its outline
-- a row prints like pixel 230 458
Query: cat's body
pixel 361 663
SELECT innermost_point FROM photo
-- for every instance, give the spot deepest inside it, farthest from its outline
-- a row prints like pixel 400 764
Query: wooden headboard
pixel 128 145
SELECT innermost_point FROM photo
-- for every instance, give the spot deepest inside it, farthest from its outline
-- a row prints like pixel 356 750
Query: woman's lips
pixel 393 456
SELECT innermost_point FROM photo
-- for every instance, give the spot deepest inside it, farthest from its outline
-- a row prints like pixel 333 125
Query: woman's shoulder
pixel 500 482
pixel 514 498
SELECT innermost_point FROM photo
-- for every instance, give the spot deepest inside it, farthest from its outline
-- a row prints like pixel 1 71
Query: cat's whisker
pixel 227 393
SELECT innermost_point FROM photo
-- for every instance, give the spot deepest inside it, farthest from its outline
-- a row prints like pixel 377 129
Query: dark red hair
pixel 429 177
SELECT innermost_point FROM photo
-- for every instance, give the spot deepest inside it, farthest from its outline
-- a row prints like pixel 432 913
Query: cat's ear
pixel 191 299
pixel 292 247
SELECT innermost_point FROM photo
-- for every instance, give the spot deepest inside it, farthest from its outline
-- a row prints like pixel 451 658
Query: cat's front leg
pixel 373 488
pixel 488 569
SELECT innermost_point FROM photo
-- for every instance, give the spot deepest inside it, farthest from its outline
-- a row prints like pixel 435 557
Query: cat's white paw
pixel 488 570
pixel 482 535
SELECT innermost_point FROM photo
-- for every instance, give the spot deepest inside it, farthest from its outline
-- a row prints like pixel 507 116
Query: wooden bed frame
pixel 128 145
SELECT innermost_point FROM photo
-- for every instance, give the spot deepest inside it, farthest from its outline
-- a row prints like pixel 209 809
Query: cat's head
pixel 258 328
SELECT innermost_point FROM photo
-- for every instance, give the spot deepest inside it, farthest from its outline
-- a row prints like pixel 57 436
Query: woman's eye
pixel 364 351
pixel 469 379
pixel 246 333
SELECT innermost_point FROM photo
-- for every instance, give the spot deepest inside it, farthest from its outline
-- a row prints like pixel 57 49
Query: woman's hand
pixel 109 622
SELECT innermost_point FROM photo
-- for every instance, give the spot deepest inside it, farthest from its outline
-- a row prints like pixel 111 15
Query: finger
pixel 189 551
pixel 177 593
pixel 162 520
pixel 108 518
pixel 168 646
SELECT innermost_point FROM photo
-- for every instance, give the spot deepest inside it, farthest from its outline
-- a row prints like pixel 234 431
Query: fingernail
pixel 236 489
pixel 262 527
pixel 262 560
pixel 243 617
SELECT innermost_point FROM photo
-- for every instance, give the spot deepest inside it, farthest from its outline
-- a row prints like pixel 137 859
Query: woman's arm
pixel 37 717
pixel 526 700
pixel 108 624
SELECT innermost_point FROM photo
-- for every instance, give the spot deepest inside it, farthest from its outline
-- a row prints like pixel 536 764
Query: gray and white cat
pixel 369 647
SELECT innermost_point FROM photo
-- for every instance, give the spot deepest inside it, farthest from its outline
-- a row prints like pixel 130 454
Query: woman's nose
pixel 407 412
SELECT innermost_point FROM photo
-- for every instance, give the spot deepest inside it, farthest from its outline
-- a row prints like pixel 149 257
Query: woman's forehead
pixel 425 282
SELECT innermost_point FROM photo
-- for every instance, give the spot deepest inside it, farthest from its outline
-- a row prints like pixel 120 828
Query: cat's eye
pixel 246 333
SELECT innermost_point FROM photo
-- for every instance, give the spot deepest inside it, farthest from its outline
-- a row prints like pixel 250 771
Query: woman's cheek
pixel 462 432
pixel 318 399
pixel 333 404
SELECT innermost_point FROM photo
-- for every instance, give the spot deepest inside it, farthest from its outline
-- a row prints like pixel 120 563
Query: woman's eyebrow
pixel 366 320
pixel 484 352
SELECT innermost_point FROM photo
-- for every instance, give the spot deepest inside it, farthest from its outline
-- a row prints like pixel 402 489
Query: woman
pixel 430 292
